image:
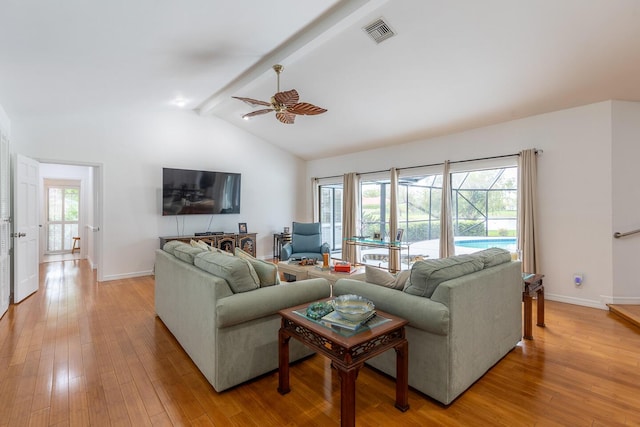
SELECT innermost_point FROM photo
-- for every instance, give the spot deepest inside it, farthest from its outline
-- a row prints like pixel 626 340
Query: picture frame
pixel 242 228
pixel 377 236
pixel 399 234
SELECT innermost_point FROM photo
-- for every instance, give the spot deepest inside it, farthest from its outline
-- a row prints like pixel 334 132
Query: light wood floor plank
pixel 80 353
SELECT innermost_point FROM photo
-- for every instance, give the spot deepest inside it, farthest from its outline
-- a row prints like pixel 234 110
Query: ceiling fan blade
pixel 306 109
pixel 287 98
pixel 253 102
pixel 286 117
pixel 257 113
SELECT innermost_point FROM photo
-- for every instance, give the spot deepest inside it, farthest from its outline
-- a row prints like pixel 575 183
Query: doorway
pixel 71 207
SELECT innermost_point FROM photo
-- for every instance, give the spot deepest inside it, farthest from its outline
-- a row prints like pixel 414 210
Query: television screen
pixel 192 192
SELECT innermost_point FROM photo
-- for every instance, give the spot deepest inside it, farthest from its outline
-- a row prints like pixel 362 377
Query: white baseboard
pixel 576 301
pixel 127 275
pixel 620 300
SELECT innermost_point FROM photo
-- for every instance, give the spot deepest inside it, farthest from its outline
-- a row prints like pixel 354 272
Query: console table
pixel 225 241
pixel 394 248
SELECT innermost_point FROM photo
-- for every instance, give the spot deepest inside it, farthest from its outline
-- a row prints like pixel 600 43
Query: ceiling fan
pixel 285 104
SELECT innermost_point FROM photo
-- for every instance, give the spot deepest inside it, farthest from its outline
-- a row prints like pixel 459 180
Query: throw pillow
pixel 220 251
pixel 171 245
pixel 267 271
pixel 381 277
pixel 187 253
pixel 238 272
pixel 493 256
pixel 200 244
pixel 427 275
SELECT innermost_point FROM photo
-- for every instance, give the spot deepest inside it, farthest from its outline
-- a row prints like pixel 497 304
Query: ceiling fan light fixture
pixel 285 104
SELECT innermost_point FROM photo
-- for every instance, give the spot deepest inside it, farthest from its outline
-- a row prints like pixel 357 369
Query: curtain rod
pixel 436 164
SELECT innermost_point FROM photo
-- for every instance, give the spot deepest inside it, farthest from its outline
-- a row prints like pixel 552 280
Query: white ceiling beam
pixel 328 24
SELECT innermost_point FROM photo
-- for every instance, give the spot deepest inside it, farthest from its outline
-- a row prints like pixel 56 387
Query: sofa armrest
pixel 286 251
pixel 246 306
pixel 486 305
pixel 422 313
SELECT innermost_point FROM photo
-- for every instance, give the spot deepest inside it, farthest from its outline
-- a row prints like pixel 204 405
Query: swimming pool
pixel 508 243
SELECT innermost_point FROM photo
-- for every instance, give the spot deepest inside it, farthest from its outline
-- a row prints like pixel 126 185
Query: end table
pixel 533 286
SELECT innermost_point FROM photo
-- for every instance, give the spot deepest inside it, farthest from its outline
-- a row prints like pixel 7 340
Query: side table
pixel 347 354
pixel 533 286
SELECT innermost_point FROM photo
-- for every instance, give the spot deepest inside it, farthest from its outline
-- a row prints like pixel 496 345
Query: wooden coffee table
pixel 347 353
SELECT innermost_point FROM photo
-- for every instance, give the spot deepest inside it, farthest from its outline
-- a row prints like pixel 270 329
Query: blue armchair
pixel 306 241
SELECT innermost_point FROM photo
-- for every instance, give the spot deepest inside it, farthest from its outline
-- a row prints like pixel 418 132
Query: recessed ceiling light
pixel 179 101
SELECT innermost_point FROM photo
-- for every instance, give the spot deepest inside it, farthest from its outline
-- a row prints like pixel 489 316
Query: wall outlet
pixel 577 279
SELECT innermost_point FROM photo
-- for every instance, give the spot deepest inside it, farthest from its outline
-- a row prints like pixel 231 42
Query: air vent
pixel 379 30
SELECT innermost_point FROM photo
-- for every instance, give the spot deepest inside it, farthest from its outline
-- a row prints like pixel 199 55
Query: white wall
pixel 5 123
pixel 626 201
pixel 575 187
pixel 133 148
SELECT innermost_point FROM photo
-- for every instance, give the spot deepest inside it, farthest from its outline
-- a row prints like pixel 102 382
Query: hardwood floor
pixel 83 353
pixel 630 313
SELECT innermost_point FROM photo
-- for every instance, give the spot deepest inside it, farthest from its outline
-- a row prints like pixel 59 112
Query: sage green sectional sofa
pixel 223 310
pixel 464 313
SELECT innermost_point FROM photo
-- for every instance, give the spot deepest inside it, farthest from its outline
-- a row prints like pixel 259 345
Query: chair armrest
pixel 286 251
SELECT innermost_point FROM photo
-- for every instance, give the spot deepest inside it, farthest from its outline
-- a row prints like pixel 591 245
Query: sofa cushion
pixel 267 271
pixel 187 253
pixel 493 256
pixel 381 277
pixel 238 272
pixel 427 275
pixel 171 245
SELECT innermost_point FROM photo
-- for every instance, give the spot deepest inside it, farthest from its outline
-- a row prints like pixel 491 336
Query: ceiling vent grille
pixel 379 30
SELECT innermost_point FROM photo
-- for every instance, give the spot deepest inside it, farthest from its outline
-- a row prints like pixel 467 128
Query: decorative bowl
pixel 353 307
pixel 317 310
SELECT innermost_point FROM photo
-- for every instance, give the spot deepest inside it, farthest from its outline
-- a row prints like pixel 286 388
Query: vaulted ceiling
pixel 451 65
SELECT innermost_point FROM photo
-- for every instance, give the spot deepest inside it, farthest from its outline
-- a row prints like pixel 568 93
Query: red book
pixel 343 267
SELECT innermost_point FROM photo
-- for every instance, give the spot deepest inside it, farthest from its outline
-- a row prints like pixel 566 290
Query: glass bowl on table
pixel 353 307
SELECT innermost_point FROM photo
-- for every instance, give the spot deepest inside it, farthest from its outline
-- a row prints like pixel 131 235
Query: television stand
pixel 224 241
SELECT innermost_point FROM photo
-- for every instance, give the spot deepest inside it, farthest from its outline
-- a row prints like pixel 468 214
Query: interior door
pixel 25 230
pixel 5 223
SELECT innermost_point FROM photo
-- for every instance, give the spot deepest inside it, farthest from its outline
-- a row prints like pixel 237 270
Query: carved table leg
pixel 402 376
pixel 348 395
pixel 528 319
pixel 540 316
pixel 283 362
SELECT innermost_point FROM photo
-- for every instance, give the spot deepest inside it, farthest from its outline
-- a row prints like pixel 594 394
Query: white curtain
pixel 315 199
pixel 350 215
pixel 527 199
pixel 447 247
pixel 394 255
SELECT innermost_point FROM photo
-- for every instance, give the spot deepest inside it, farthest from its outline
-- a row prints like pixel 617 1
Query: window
pixel 420 200
pixel 62 217
pixel 375 202
pixel 331 215
pixel 484 204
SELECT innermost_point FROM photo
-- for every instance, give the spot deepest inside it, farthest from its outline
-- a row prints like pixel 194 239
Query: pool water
pixel 508 243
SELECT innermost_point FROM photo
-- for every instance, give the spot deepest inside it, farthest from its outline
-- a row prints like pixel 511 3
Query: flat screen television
pixel 194 192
